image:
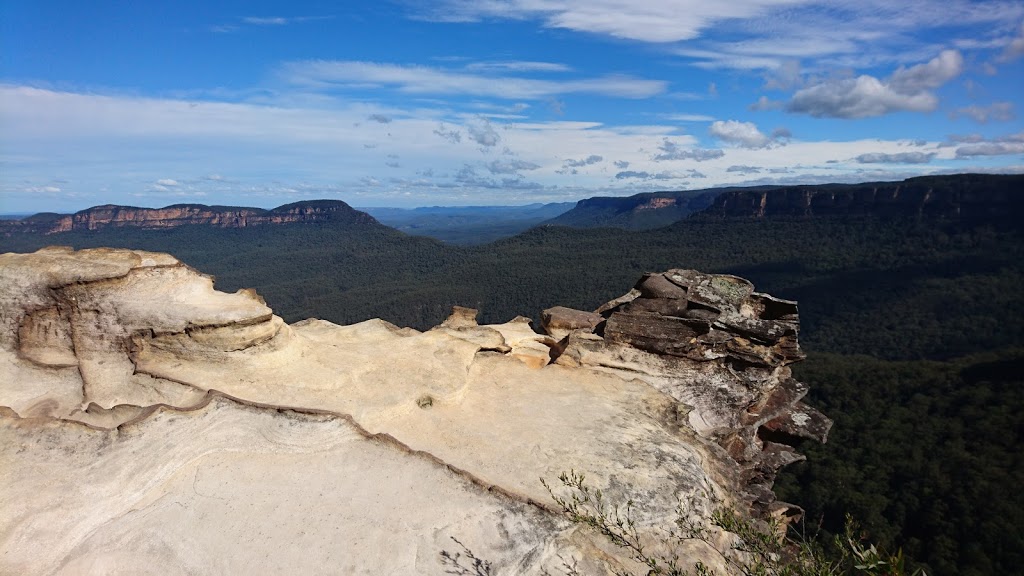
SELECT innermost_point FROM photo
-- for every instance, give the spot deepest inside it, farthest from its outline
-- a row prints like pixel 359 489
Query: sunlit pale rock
pixel 151 424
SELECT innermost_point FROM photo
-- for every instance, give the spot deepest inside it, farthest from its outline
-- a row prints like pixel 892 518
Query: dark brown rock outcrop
pixel 723 352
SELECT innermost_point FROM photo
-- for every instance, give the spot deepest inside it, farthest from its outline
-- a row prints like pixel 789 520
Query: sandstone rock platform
pixel 150 424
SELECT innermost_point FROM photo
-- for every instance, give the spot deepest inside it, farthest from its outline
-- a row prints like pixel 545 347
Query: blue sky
pixel 458 102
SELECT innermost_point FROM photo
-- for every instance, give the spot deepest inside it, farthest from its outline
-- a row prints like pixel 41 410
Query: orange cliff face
pixel 657 203
pixel 104 216
pixel 109 215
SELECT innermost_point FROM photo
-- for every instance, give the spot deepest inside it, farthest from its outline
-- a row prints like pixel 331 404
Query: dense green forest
pixel 913 327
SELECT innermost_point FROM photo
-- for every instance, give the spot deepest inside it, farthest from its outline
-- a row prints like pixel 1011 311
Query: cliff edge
pixel 150 424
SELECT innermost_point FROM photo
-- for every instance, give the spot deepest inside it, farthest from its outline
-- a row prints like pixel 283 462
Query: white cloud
pixel 907 89
pixel 743 169
pixel 518 66
pixel 990 149
pixel 276 154
pixel 42 189
pixel 1015 48
pixel 265 21
pixel 643 175
pixel 860 97
pixel 510 166
pixel 744 134
pixel 997 112
pixel 647 21
pixel 1001 146
pixel 592 159
pixel 897 158
pixel 280 20
pixel 672 151
pixel 765 103
pixel 928 76
pixel 483 133
pixel 414 79
pixel 689 118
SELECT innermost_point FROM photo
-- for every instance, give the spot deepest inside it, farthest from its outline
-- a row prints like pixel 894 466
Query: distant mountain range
pixel 112 216
pixel 645 211
pixel 973 197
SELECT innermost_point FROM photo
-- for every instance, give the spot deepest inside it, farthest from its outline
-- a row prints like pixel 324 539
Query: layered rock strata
pixel 723 352
pixel 151 424
pixel 113 216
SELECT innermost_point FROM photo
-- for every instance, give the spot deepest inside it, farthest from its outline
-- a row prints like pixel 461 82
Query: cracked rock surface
pixel 150 424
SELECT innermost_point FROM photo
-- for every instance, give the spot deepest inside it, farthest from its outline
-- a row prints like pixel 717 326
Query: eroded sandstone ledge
pixel 152 423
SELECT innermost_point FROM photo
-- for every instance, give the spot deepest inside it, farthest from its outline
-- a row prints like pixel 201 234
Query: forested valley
pixel 913 329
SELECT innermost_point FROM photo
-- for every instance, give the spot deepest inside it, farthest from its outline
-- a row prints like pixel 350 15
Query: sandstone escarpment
pixel 151 423
pixel 112 216
pixel 965 197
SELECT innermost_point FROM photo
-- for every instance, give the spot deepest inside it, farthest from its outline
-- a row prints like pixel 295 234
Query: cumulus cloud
pixel 743 169
pixel 997 112
pixel 928 76
pixel 510 166
pixel 898 158
pixel 765 103
pixel 592 159
pixel 453 136
pixel 907 89
pixel 483 133
pixel 671 151
pixel 626 174
pixel 746 134
pixel 861 97
pixel 167 182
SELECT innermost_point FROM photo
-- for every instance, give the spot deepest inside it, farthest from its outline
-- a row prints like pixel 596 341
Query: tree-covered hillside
pixel 914 329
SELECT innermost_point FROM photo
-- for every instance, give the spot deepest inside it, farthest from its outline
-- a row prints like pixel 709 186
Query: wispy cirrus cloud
pixel 1000 146
pixel 647 21
pixel 768 33
pixel 996 112
pixel 418 79
pixel 673 151
pixel 264 21
pixel 518 66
